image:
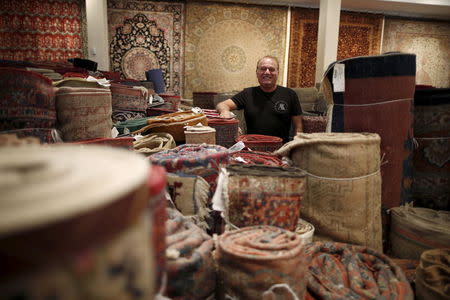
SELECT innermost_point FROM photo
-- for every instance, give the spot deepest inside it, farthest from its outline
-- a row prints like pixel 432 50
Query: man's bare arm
pixel 298 125
pixel 225 107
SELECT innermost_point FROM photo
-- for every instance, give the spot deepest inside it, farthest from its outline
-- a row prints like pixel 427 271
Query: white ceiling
pixel 425 9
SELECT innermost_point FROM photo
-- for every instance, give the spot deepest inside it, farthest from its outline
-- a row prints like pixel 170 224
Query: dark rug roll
pixel 189 261
pixel 431 162
pixel 27 100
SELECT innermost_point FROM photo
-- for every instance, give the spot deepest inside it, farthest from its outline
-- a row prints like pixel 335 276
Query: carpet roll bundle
pixel 313 124
pixel 256 158
pixel 158 204
pixel 416 229
pixel 128 126
pixel 408 267
pixel 202 160
pixel 380 88
pixel 154 143
pixel 83 113
pixel 45 135
pixel 27 103
pixel 128 102
pixel 74 223
pixel 259 142
pixel 172 100
pixel 173 123
pixel 160 110
pixel 346 271
pixel 227 130
pixel 433 275
pixel 431 162
pixel 79 82
pixel 343 193
pixel 206 100
pixel 264 195
pixel 199 134
pixel 253 260
pixel 189 261
pixel 121 142
pixel 189 194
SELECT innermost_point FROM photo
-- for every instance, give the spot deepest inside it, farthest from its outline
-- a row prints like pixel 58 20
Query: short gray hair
pixel 271 57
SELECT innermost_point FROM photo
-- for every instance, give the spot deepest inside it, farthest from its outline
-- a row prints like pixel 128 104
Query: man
pixel 269 109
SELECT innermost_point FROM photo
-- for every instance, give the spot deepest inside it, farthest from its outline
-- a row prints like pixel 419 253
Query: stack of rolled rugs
pixel 27 104
pixel 202 160
pixel 128 102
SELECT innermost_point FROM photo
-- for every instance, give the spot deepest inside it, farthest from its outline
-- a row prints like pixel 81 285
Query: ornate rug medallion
pixel 147 35
pixel 224 42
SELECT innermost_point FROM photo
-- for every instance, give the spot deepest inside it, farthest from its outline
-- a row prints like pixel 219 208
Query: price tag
pixel 339 78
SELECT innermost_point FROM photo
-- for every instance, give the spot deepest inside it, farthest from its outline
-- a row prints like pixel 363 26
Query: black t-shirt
pixel 268 113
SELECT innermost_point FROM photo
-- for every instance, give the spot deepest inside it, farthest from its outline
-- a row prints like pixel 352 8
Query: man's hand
pixel 225 114
pixel 225 107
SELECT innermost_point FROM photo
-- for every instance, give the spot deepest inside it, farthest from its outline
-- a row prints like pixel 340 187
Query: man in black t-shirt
pixel 269 109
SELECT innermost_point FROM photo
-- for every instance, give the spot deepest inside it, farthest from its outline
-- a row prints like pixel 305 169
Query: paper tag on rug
pixel 339 78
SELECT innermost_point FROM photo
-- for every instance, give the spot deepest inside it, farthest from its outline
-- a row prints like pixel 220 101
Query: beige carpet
pixel 224 42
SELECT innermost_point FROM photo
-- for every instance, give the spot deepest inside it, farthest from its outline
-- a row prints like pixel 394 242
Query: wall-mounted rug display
pixel 359 34
pixel 430 41
pixel 231 38
pixel 43 30
pixel 146 35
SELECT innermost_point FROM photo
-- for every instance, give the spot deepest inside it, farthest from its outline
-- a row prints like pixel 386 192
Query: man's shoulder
pixel 287 90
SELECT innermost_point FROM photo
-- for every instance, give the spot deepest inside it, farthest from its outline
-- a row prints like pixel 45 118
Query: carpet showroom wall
pixel 147 35
pixel 224 42
pixel 42 30
pixel 359 34
pixel 429 40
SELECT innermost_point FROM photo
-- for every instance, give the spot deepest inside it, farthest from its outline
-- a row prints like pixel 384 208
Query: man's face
pixel 267 73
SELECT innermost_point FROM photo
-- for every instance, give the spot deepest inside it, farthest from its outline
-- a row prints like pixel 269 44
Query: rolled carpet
pixel 433 275
pixel 252 260
pixel 259 142
pixel 189 261
pixel 346 271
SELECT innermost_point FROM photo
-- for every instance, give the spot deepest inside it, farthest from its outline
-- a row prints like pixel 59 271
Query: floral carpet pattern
pixel 430 41
pixel 231 38
pixel 147 35
pixel 42 30
pixel 359 34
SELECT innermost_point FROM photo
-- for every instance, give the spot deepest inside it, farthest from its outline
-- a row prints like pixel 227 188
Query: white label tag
pixel 339 78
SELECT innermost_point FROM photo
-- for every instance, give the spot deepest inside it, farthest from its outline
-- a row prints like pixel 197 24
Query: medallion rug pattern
pixel 430 41
pixel 224 42
pixel 147 35
pixel 359 35
pixel 42 30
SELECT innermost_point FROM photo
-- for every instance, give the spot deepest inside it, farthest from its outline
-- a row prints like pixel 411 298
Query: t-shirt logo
pixel 281 106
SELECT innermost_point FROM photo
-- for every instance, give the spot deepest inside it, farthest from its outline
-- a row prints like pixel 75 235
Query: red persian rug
pixel 359 34
pixel 147 35
pixel 42 30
